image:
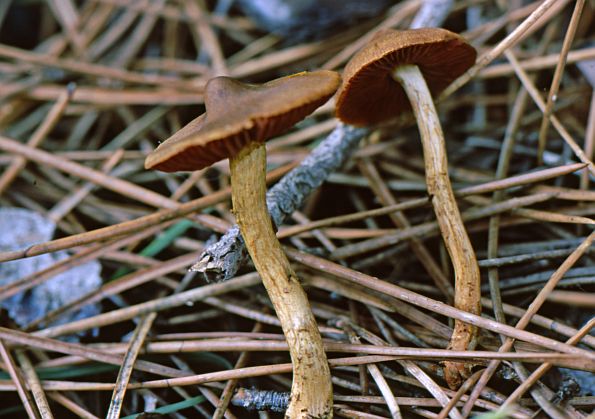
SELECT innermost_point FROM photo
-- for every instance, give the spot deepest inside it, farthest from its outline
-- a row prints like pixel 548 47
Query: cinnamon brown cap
pixel 239 113
pixel 369 94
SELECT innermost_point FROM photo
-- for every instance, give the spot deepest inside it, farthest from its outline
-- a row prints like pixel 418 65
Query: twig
pixel 418 300
pixel 557 79
pixel 524 320
pixel 136 343
pixel 221 260
pixel 35 385
pixel 17 379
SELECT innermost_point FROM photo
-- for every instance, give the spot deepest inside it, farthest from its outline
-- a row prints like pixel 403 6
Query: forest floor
pixel 89 88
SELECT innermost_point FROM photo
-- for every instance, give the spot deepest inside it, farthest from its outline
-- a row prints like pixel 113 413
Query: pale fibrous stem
pixel 311 392
pixel 456 239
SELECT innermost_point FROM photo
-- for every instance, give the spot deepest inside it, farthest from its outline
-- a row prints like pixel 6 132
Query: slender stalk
pixel 311 393
pixel 467 278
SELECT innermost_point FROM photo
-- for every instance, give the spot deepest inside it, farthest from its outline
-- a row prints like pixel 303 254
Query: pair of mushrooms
pixel 396 71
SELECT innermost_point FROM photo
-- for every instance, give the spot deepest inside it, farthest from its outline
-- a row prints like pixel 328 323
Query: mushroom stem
pixel 458 245
pixel 311 392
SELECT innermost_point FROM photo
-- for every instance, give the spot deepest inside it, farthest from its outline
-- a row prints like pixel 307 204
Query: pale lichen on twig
pixel 222 259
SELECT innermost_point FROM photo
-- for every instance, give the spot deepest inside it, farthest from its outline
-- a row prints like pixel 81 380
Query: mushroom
pixel 239 119
pixel 398 71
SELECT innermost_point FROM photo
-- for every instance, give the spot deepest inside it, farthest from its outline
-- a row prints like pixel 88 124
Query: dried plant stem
pixel 35 385
pixel 400 220
pixel 535 95
pixel 524 320
pixel 467 280
pixel 17 379
pixel 557 79
pixel 374 371
pixel 127 313
pixel 136 343
pixel 311 392
pixel 511 40
pixel 38 136
pixel 230 386
pixel 543 368
pixel 435 306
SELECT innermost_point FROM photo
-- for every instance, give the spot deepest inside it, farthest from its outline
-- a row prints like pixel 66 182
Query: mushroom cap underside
pixel 369 94
pixel 239 113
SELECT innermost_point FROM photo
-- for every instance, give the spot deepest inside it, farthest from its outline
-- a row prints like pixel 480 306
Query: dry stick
pixel 535 95
pixel 126 227
pixel 285 368
pixel 65 13
pixel 82 352
pixel 524 320
pixel 574 359
pixel 109 182
pixel 430 304
pixel 573 298
pixel 70 405
pixel 430 228
pixel 134 279
pixel 35 385
pixel 411 367
pixel 543 368
pixel 63 207
pixel 222 259
pixel 91 253
pixel 374 371
pixel 134 41
pixel 589 139
pixel 202 378
pixel 21 388
pixel 95 70
pixel 238 310
pixel 553 93
pixel 538 62
pixel 504 159
pixel 552 217
pixel 140 333
pixel 110 96
pixel 512 39
pixel 544 322
pixel 400 220
pixel 37 137
pixel 160 304
pixel 207 36
pixel 347 412
pixel 512 181
pixel 248 372
pixel 481 33
pixel 214 400
pixel 228 391
pixel 465 387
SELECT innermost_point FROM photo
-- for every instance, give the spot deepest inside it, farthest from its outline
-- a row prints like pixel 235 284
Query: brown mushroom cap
pixel 369 94
pixel 239 113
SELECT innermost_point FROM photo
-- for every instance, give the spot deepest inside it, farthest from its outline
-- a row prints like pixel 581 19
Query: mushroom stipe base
pixel 467 278
pixel 311 392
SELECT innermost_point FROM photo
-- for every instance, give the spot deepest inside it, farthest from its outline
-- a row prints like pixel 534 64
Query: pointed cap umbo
pixel 239 113
pixel 369 94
